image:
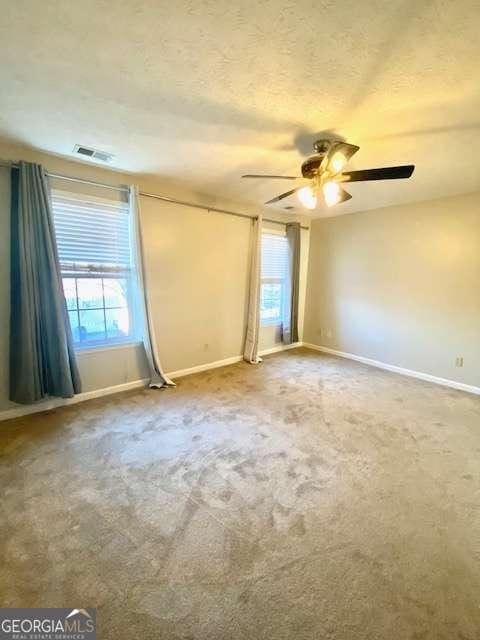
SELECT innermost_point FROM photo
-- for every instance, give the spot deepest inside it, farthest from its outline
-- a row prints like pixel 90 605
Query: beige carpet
pixel 307 497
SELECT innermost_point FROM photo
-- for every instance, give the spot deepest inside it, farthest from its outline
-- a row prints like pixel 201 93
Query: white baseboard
pixel 204 367
pixel 23 410
pixel 226 361
pixel 19 411
pixel 390 367
pixel 280 347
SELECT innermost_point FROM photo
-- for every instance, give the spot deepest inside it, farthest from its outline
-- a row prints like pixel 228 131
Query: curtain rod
pixel 60 176
pixel 215 209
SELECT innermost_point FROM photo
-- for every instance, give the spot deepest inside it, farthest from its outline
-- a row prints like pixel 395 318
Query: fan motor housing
pixel 311 165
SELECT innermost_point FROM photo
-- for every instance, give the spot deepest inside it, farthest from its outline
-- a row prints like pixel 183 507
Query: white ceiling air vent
pixel 95 154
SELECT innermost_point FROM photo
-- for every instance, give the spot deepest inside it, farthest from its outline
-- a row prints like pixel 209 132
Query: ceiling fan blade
pixel 254 175
pixel 282 196
pixel 344 196
pixel 383 173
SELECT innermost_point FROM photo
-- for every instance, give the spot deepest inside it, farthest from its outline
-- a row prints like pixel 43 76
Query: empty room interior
pixel 240 320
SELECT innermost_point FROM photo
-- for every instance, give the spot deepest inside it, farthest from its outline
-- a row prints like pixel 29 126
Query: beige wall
pixel 197 269
pixel 197 266
pixel 400 285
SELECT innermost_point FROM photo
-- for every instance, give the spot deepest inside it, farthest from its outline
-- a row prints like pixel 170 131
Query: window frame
pixel 103 272
pixel 273 322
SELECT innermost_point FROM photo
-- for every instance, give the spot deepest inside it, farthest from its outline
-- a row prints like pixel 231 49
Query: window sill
pixel 271 323
pixel 106 347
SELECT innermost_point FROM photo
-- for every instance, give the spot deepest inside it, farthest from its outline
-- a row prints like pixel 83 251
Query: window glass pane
pixel 118 323
pixel 115 291
pixel 92 325
pixel 70 292
pixel 275 274
pixel 90 293
pixel 73 316
pixel 270 301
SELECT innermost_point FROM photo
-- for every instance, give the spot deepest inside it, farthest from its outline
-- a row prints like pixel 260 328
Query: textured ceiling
pixel 203 92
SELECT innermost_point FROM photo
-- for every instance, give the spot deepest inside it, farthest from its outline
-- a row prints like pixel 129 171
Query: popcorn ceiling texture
pixel 308 497
pixel 199 93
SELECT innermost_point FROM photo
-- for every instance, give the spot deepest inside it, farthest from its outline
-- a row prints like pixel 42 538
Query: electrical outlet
pixel 329 333
pixel 459 362
pixel 206 346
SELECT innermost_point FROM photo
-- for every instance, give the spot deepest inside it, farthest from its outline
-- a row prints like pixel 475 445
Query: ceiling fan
pixel 324 170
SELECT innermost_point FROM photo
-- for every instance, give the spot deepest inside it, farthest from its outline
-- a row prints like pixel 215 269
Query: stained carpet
pixel 308 497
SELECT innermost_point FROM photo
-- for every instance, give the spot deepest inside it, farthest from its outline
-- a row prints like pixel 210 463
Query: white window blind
pixel 274 276
pixel 274 256
pixel 91 235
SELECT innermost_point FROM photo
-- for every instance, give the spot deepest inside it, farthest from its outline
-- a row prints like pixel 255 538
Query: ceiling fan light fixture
pixel 307 197
pixel 337 162
pixel 331 193
pixel 348 150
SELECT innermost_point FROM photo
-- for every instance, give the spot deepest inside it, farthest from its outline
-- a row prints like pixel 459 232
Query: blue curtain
pixel 42 358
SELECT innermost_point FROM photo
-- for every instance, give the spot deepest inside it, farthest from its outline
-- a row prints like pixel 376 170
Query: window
pixel 274 278
pixel 95 252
